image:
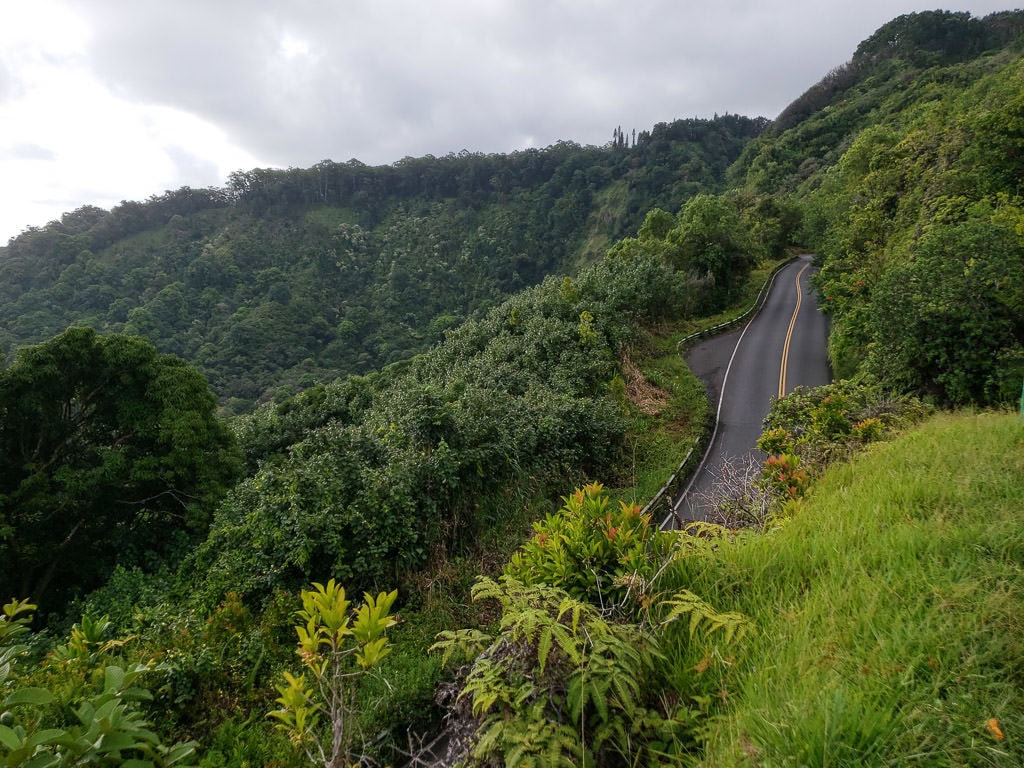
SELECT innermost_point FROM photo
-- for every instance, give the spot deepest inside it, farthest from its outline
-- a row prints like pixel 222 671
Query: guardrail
pixel 751 311
pixel 662 506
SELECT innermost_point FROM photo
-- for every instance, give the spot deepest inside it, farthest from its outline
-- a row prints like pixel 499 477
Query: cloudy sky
pixel 107 100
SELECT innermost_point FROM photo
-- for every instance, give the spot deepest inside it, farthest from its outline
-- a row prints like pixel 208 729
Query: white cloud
pixel 67 140
pixel 104 101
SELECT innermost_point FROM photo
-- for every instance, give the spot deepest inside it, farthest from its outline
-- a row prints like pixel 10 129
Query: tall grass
pixel 890 608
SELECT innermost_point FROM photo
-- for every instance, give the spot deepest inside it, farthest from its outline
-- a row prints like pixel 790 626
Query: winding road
pixel 782 347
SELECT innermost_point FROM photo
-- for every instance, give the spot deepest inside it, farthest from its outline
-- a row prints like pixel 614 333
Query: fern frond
pixel 543 648
pixel 733 625
pixel 467 642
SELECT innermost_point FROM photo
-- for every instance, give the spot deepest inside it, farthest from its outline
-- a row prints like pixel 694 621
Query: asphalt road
pixel 781 348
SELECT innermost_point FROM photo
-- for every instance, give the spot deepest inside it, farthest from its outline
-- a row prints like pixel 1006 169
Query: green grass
pixel 745 300
pixel 658 442
pixel 890 610
pixel 332 217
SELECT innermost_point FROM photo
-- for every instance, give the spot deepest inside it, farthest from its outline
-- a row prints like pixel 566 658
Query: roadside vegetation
pixel 888 608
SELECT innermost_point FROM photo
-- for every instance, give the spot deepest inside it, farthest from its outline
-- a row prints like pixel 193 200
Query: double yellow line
pixel 789 333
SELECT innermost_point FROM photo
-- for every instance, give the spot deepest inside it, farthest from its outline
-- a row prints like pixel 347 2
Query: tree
pixel 109 452
pixel 711 239
pixel 947 323
pixel 337 646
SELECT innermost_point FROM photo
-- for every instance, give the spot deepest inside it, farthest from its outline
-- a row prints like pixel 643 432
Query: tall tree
pixel 109 452
pixel 711 240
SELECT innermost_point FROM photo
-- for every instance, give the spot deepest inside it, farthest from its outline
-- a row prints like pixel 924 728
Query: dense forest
pixel 286 278
pixel 375 560
pixel 908 172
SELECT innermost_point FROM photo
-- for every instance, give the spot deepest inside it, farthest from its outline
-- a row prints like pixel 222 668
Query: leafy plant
pixel 337 645
pixel 564 681
pixel 815 426
pixel 596 551
pixel 559 685
pixel 782 474
pixel 111 729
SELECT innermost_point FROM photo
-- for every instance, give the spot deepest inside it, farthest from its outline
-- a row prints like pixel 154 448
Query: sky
pixel 110 100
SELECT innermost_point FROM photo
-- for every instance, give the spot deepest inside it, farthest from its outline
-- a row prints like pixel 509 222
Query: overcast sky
pixel 107 100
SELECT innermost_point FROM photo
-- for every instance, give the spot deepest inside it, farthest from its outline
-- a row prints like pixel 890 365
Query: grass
pixel 331 216
pixel 742 303
pixel 658 437
pixel 890 610
pixel 610 209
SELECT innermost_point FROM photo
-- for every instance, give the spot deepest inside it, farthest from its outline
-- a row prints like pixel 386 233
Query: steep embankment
pixel 907 164
pixel 888 608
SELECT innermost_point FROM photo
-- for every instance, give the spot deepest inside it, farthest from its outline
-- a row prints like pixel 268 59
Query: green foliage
pixel 907 166
pixel 560 685
pixel 712 240
pixel 331 638
pixel 109 452
pixel 217 670
pixel 949 323
pixel 572 677
pixel 292 277
pixel 13 624
pixel 110 729
pixel 732 625
pixel 387 470
pixel 107 725
pixel 812 427
pixel 597 552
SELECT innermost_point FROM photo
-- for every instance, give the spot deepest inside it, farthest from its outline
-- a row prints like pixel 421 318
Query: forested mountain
pixel 287 277
pixel 908 166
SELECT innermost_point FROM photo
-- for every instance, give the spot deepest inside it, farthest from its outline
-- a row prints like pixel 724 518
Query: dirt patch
pixel 649 398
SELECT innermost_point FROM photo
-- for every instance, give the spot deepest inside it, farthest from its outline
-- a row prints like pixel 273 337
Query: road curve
pixel 782 347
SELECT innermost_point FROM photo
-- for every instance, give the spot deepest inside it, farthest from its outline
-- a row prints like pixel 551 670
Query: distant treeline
pixel 287 277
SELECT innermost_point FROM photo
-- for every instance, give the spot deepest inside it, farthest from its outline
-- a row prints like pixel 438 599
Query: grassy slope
pixel 890 610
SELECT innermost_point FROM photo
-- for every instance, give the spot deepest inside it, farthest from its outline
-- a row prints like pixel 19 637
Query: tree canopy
pixel 109 453
pixel 287 278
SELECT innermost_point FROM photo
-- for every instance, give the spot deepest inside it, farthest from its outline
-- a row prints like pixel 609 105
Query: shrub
pixel 596 551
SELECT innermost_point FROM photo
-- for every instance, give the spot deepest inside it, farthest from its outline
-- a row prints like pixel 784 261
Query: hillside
pixel 191 565
pixel 888 609
pixel 907 166
pixel 289 277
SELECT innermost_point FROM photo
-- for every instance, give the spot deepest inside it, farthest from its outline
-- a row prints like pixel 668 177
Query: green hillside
pixel 888 609
pixel 907 166
pixel 289 277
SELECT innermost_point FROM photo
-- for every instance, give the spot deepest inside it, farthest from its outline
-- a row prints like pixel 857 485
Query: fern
pixel 564 684
pixel 685 603
pixel 531 740
pixel 557 673
pixel 467 643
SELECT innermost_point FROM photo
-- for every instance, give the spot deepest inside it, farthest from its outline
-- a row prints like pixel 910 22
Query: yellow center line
pixel 789 334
